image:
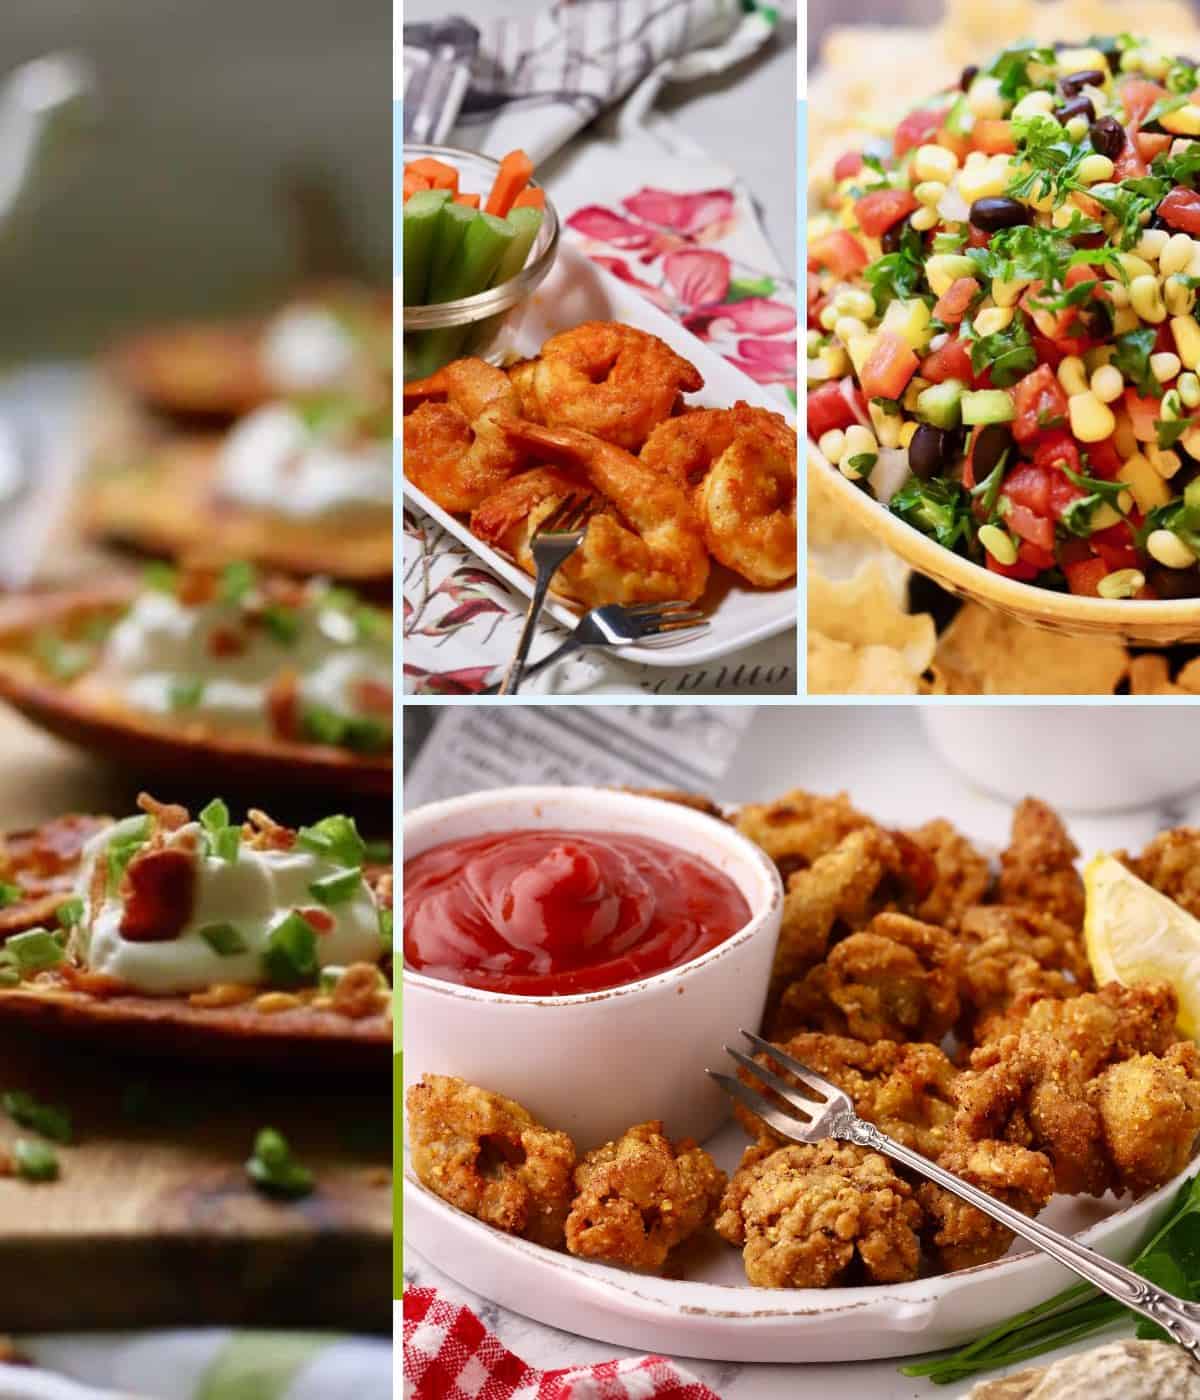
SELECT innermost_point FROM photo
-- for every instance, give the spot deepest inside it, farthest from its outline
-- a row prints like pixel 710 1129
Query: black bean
pixel 997 211
pixel 1073 83
pixel 890 239
pixel 1174 583
pixel 1108 137
pixel 1077 107
pixel 968 76
pixel 927 451
pixel 992 443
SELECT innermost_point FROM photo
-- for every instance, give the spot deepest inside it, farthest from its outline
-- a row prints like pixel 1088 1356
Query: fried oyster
pixel 490 1157
pixel 1037 868
pixel 819 1214
pixel 639 1196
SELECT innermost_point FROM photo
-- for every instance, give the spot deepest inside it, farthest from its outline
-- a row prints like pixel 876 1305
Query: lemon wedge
pixel 1135 934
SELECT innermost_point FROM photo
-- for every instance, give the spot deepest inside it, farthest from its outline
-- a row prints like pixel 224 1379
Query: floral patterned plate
pixel 578 290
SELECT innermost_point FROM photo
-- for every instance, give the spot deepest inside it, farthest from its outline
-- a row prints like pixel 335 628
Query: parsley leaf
pixel 1047 161
pixel 938 507
pixel 1008 354
pixel 1012 69
pixel 897 275
pixel 1132 358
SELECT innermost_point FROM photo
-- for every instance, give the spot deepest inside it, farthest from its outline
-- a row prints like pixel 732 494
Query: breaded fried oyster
pixel 798 828
pixel 641 1195
pixel 815 1215
pixel 1037 869
pixel 490 1157
pixel 1171 863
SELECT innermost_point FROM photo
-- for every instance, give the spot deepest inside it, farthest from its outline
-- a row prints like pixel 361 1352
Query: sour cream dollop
pixel 273 460
pixel 307 349
pixel 251 895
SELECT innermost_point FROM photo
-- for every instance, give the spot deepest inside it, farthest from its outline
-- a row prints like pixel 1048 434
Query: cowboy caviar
pixel 1003 345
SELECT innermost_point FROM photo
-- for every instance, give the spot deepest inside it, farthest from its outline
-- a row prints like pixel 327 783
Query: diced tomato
pixel 1087 272
pixel 1139 96
pixel 1030 553
pixel 1151 143
pixel 889 367
pixel 1040 402
pixel 835 405
pixel 813 296
pixel 1062 492
pixel 952 141
pixel 1022 570
pixel 953 303
pixel 952 361
pixel 847 165
pixel 916 129
pixel 978 237
pixel 993 136
pixel 1037 529
pixel 1047 352
pixel 1104 460
pixel 1055 449
pixel 1115 547
pixel 1084 575
pixel 1143 414
pixel 1064 329
pixel 840 252
pixel 878 211
pixel 1181 210
pixel 1129 165
pixel 1028 488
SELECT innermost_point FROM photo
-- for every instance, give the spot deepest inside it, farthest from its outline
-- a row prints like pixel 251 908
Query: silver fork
pixel 618 625
pixel 830 1114
pixel 557 538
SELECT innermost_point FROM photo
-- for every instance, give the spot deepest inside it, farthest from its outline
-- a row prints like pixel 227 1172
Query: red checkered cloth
pixel 450 1355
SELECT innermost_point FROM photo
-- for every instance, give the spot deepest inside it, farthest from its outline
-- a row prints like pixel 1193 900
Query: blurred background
pixel 228 148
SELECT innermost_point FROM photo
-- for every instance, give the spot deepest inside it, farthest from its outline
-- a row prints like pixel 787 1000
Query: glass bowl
pixel 481 317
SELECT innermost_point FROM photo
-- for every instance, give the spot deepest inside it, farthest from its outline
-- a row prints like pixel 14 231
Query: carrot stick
pixel 530 198
pixel 440 175
pixel 511 179
pixel 413 183
pixel 470 200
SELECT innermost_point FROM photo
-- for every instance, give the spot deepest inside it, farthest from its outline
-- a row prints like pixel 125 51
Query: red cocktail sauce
pixel 553 913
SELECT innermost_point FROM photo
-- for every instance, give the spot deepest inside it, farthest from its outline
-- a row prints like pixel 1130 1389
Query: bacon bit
pixel 54 847
pixel 159 891
pixel 377 1176
pixel 271 1002
pixel 7 1168
pixel 319 919
pixel 283 706
pixel 168 816
pixel 372 697
pixel 286 592
pixel 357 992
pixel 223 994
pixel 265 833
pixel 197 584
pixel 97 984
pixel 224 641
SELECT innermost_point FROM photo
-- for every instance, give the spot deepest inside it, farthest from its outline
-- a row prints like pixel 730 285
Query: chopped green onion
pixel 273 1169
pixel 237 580
pixel 336 889
pixel 185 693
pixel 282 623
pixel 387 925
pixel 43 1118
pixel 10 894
pixel 334 838
pixel 160 577
pixel 226 843
pixel 290 957
pixel 121 850
pixel 35 1161
pixel 223 939
pixel 377 852
pixel 70 912
pixel 214 816
pixel 34 950
pixel 64 660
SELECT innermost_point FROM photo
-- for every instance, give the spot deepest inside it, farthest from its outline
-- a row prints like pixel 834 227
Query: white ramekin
pixel 596 1063
pixel 1089 759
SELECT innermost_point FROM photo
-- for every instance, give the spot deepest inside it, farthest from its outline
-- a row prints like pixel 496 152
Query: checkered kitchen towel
pixel 450 1355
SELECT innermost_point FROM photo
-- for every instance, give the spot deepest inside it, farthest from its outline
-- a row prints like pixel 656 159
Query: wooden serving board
pixel 154 1221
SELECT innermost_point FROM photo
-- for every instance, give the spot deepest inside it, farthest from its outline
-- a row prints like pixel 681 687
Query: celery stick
pixel 420 222
pixel 452 223
pixel 475 260
pixel 526 223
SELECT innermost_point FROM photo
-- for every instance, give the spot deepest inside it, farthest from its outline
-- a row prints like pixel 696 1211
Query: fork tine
pixel 786 1091
pixel 683 619
pixel 580 515
pixel 637 609
pixel 783 1124
pixel 809 1077
pixel 664 641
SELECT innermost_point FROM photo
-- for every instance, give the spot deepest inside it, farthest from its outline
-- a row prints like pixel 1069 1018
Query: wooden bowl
pixel 1148 624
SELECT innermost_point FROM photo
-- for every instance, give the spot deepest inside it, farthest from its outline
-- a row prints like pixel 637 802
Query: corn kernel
pixel 995 318
pixel 1123 583
pixel 924 218
pixel 832 445
pixel 1091 420
pixel 858 442
pixel 1165 366
pixel 1191 444
pixel 1094 169
pixel 929 191
pixel 830 362
pixel 1117 293
pixel 1169 549
pixel 1077 128
pixel 1184 121
pixel 1133 266
pixel 1104 516
pixel 1178 297
pixel 943 269
pixel 1186 334
pixel 985 181
pixel 1164 462
pixel 1151 244
pixel 1189 389
pixel 851 301
pixel 998 543
pixel 1171 407
pixel 984 97
pixel 1176 254
pixel 829 316
pixel 907 433
pixel 1125 319
pixel 1149 489
pixel 847 328
pixel 812 341
pixel 1007 293
pixel 1146 299
pixel 1108 384
pixel 887 426
pixel 1037 103
pixel 1071 375
pixel 934 163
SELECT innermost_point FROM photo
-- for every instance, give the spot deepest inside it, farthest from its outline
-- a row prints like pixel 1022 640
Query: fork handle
pixel 516 667
pixel 1177 1317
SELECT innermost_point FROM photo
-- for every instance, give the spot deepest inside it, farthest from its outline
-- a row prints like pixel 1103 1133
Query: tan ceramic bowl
pixel 1156 624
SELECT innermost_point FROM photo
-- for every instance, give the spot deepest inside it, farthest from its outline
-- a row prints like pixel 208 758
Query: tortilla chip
pixel 838 546
pixel 1151 675
pixel 990 653
pixel 860 638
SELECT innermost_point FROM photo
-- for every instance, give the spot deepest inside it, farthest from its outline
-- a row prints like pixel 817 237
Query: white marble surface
pixel 882 758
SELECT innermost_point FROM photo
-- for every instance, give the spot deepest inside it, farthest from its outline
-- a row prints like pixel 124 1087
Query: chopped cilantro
pixel 1128 203
pixel 1169 430
pixel 160 577
pixel 214 816
pixel 862 464
pixel 387 925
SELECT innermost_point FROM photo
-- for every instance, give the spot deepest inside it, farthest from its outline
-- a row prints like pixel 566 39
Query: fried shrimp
pixel 454 449
pixel 741 464
pixel 640 1196
pixel 490 1157
pixel 643 545
pixel 813 1215
pixel 605 378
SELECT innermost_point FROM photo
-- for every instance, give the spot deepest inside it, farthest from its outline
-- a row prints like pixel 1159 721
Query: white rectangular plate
pixel 577 290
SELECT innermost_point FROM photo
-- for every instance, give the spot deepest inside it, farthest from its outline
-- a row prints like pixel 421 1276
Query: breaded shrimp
pixel 741 464
pixel 605 378
pixel 454 449
pixel 644 545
